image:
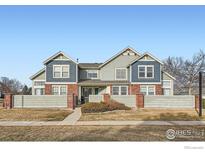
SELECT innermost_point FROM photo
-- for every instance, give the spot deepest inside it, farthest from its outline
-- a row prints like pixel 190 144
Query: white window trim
pixel 147 89
pixel 61 72
pixel 92 70
pixel 120 90
pixel 120 69
pixel 59 88
pixel 169 82
pixel 146 71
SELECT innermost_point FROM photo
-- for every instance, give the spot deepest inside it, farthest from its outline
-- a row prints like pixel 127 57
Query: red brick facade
pixel 134 89
pixel 158 89
pixel 72 89
pixel 48 89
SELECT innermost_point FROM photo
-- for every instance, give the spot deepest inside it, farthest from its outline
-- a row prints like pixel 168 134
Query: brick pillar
pixel 106 98
pixel 48 89
pixel 71 101
pixel 197 102
pixel 72 89
pixel 158 89
pixel 134 89
pixel 8 101
pixel 140 100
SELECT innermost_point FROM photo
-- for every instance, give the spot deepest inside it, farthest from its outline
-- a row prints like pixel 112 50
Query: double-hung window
pixel 59 90
pixel 167 87
pixel 39 83
pixel 55 90
pixel 57 71
pixel 147 89
pixel 119 90
pixel 92 74
pixel 145 71
pixel 65 71
pixel 121 74
pixel 115 90
pixel 61 71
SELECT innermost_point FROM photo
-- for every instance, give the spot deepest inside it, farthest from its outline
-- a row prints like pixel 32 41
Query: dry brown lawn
pixel 96 133
pixel 33 114
pixel 145 114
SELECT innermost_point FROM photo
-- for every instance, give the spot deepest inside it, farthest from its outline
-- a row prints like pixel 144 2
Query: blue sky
pixel 30 34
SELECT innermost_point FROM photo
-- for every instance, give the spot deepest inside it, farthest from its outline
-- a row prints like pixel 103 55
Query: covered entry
pixel 86 91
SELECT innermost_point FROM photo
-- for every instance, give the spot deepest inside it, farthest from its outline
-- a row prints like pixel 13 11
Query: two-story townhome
pixel 126 73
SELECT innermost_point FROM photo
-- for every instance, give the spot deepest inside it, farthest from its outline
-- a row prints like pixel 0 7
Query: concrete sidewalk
pixel 72 118
pixel 102 123
pixel 138 123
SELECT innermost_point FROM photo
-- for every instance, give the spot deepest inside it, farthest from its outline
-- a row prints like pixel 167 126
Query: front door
pixel 85 93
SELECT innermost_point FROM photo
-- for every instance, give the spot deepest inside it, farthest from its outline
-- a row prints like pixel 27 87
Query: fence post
pixel 197 103
pixel 71 101
pixel 200 94
pixel 8 101
pixel 106 98
pixel 140 100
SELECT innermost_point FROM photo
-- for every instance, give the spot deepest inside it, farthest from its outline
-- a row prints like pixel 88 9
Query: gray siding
pixel 49 71
pixel 107 72
pixel 184 101
pixel 157 71
pixel 27 101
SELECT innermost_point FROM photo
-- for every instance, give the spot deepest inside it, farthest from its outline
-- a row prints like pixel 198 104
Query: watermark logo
pixel 170 134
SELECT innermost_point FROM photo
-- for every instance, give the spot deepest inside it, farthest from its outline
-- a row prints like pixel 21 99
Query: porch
pixel 97 88
pixel 86 91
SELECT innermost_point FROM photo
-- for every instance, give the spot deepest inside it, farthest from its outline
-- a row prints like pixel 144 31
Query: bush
pixel 103 107
pixel 93 107
pixel 203 104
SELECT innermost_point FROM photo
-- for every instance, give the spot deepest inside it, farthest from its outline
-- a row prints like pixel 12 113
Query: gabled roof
pixel 147 54
pixel 118 54
pixel 169 75
pixel 56 55
pixel 89 65
pixel 39 72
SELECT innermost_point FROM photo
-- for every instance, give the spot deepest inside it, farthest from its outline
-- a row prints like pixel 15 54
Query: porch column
pixel 79 93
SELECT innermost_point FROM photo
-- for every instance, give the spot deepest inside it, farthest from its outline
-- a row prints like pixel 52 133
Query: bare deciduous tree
pixel 185 71
pixel 14 85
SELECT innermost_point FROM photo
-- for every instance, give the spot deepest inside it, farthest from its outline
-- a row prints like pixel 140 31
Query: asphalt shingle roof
pixel 100 82
pixel 89 65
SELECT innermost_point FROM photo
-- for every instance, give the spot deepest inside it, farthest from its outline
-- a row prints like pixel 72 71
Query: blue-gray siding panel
pixel 49 71
pixel 157 72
